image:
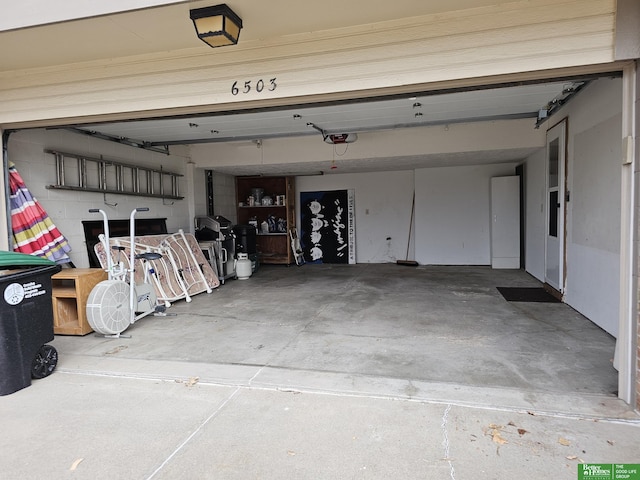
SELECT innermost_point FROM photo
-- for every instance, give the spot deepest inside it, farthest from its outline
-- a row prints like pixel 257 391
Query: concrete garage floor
pixel 314 372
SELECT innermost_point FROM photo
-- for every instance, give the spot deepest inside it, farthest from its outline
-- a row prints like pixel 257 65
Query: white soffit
pixel 103 33
pixel 29 13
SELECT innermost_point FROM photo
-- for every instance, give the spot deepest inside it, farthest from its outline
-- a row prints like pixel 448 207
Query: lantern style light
pixel 217 26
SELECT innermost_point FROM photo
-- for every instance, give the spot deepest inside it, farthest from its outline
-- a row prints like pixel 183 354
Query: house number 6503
pixel 260 86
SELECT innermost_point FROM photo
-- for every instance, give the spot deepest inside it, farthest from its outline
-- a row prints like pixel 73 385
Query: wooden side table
pixel 70 289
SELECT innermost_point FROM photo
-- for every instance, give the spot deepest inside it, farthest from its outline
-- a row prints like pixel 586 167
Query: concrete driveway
pixel 314 372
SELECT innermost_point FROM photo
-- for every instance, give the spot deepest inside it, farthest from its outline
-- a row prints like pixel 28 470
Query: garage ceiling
pixel 477 105
pixel 509 102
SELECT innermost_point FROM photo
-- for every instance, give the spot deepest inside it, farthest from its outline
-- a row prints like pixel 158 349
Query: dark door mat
pixel 522 294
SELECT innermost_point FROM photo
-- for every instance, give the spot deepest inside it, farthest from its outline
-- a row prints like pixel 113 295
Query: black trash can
pixel 245 239
pixel 26 320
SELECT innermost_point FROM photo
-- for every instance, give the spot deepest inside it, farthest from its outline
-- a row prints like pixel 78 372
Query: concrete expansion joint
pixel 194 433
pixel 251 384
pixel 536 412
pixel 445 442
pixel 256 374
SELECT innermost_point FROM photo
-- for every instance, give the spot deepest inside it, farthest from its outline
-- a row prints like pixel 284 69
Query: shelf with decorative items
pixel 268 204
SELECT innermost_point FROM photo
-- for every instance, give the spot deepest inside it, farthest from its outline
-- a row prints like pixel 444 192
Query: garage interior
pixel 443 323
pixel 434 140
pixel 325 370
pixel 439 332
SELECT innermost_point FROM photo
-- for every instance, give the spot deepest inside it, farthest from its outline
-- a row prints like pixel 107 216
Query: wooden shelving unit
pixel 70 289
pixel 272 247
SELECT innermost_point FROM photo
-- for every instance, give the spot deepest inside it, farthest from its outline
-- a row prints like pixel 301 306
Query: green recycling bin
pixel 26 320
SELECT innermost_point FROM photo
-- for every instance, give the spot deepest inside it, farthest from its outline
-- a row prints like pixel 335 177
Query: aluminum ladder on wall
pixel 108 176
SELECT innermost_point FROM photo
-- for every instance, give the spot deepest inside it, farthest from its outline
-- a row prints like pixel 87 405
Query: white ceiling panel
pixel 478 105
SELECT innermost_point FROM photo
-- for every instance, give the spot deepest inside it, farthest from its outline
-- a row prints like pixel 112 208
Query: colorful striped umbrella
pixel 33 231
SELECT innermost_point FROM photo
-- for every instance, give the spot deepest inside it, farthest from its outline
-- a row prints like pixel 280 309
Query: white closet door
pixel 505 222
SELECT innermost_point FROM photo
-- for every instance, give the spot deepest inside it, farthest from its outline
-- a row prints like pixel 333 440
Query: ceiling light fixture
pixel 216 26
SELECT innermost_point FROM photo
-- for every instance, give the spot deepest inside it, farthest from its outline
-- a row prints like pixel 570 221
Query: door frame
pixel 521 172
pixel 626 354
pixel 563 126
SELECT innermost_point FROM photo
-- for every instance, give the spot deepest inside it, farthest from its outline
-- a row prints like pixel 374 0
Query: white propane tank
pixel 243 266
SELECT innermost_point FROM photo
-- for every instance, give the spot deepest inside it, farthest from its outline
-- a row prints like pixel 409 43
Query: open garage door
pixel 466 109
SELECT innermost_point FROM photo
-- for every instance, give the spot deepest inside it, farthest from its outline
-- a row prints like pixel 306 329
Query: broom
pixel 406 261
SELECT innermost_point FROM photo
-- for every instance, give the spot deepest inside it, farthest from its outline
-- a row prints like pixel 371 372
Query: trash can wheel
pixel 45 362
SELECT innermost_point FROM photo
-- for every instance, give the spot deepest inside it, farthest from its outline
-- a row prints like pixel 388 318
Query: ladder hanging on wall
pixel 108 176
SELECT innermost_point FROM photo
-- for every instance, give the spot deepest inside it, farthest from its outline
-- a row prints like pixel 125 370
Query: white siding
pixel 404 55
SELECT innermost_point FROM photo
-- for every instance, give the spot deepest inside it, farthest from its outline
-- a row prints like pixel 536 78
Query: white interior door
pixel 505 222
pixel 555 187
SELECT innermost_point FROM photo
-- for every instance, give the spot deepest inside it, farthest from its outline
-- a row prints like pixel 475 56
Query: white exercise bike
pixel 118 302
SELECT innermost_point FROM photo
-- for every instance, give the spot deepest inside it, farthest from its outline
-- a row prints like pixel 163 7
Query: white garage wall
pixel 68 208
pixel 453 214
pixel 452 222
pixel 534 172
pixel 593 212
pixel 593 216
pixel 224 194
pixel 383 210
